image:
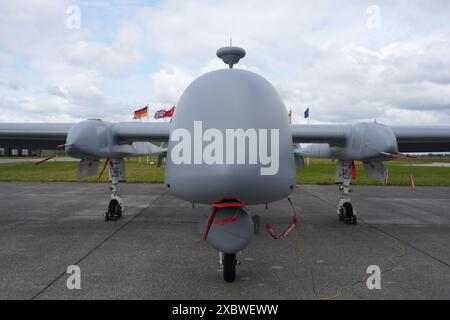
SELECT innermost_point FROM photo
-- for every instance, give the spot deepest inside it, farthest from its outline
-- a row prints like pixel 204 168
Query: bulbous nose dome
pixel 231 96
pixel 231 99
pixel 220 101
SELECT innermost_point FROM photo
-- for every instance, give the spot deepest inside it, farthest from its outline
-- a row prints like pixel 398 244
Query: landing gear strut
pixel 344 178
pixel 116 173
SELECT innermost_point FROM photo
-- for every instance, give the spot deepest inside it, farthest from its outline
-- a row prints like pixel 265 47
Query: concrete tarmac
pixel 155 251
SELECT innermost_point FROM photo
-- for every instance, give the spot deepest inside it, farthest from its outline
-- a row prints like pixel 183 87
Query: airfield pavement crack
pixel 341 288
pixel 385 233
pixel 98 246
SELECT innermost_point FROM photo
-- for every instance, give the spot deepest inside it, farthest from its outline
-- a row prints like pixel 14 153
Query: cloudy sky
pixel 349 61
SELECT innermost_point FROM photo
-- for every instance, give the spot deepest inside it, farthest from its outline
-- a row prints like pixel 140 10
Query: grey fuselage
pixel 224 100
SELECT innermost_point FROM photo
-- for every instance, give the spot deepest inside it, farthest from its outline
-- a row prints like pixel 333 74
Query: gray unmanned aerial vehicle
pixel 230 144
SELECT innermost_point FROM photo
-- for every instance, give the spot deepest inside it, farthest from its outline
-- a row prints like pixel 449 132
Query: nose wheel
pixel 229 267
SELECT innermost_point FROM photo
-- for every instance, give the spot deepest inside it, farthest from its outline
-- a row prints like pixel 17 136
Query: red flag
pixel 169 113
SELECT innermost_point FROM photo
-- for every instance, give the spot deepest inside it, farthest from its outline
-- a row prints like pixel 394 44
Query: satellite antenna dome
pixel 231 55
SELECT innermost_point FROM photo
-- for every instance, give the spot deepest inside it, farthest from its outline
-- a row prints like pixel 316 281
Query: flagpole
pixel 148 120
pixel 307 159
pixel 140 120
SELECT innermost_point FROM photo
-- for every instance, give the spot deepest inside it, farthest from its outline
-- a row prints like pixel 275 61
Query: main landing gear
pixel 345 210
pixel 116 206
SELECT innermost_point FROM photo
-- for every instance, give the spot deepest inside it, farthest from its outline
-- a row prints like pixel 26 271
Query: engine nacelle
pixel 371 141
pixel 90 139
pixel 95 139
pixel 365 142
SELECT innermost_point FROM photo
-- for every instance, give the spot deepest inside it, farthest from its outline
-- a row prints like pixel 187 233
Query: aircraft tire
pixel 349 217
pixel 229 267
pixel 114 210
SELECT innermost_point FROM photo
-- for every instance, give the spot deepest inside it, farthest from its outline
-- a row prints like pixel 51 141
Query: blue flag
pixel 307 113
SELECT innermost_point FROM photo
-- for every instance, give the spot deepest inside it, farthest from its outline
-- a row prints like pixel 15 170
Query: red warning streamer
pixel 289 227
pixel 44 160
pixel 225 221
pixel 354 176
pixel 285 232
pixel 59 146
pixel 103 170
pixel 411 182
pixel 386 177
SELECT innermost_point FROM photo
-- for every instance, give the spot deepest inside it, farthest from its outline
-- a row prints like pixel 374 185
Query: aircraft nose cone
pixel 74 146
pixel 391 145
pixel 392 148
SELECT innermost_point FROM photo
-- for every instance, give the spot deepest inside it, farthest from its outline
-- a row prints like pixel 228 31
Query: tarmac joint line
pixel 122 226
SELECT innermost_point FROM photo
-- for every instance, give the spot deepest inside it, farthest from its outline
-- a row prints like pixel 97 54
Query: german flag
pixel 141 113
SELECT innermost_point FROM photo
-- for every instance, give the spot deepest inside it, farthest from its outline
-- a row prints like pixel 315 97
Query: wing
pixel 422 138
pixel 127 132
pixel 408 138
pixel 49 135
pixel 33 135
pixel 335 135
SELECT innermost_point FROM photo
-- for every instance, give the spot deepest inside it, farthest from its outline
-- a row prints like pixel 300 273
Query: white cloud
pixel 68 68
pixel 12 84
pixel 356 84
pixel 168 83
pixel 414 117
pixel 5 59
pixel 317 54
